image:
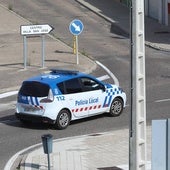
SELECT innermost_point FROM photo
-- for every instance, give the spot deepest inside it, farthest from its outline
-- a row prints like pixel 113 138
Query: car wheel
pixel 116 107
pixel 63 119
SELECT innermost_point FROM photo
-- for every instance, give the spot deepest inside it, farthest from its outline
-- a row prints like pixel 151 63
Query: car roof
pixel 57 76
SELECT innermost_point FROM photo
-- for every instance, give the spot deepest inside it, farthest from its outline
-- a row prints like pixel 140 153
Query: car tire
pixel 116 107
pixel 63 119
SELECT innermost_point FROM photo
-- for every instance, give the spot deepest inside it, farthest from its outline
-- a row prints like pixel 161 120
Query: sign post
pixel 31 30
pixel 25 51
pixel 43 50
pixel 74 44
pixel 76 27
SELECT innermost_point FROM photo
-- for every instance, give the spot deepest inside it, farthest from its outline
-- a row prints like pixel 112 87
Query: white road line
pixel 105 77
pixel 7 106
pixel 7 94
pixel 11 93
pixel 8 121
pixel 109 72
pixel 163 100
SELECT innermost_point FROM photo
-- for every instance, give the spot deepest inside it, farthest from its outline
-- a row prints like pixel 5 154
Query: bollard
pixel 47 146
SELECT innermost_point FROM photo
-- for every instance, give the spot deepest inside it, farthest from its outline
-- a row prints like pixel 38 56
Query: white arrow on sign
pixel 35 29
pixel 77 27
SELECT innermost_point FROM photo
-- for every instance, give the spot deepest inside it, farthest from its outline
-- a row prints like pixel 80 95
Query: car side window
pixel 61 87
pixel 73 86
pixel 90 84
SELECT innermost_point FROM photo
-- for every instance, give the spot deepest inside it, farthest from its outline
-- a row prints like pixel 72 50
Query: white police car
pixel 64 95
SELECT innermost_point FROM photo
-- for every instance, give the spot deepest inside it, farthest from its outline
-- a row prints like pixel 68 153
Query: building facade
pixel 156 9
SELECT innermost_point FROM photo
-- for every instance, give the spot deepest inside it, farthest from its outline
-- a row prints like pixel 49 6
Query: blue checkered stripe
pixel 110 93
pixel 28 100
pixel 32 100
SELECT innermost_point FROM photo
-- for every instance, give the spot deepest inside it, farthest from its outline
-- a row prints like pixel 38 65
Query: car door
pixel 76 100
pixel 95 94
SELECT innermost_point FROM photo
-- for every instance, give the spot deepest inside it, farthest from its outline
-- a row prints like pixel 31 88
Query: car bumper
pixel 34 118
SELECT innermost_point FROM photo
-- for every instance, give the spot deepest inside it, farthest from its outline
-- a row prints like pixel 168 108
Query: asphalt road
pixel 98 42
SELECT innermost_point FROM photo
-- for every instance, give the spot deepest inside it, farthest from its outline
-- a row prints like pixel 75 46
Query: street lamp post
pixel 137 132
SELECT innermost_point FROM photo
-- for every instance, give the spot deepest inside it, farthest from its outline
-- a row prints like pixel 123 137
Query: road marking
pixel 7 94
pixel 163 100
pixel 7 106
pixel 109 72
pixel 8 121
pixel 11 93
pixel 105 77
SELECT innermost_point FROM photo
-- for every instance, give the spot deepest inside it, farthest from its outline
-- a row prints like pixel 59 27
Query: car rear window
pixel 35 89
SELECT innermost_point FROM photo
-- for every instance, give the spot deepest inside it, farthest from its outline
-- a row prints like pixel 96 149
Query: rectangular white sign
pixel 35 29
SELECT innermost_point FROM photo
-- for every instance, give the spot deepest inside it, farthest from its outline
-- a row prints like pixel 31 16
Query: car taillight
pixel 50 95
pixel 49 98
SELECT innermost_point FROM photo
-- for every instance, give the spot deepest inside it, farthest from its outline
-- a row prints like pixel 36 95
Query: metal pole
pixel 77 51
pixel 43 50
pixel 137 139
pixel 25 51
pixel 48 157
pixel 74 44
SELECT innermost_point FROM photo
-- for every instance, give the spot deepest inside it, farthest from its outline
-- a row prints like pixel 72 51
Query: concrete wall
pixel 156 9
pixel 153 8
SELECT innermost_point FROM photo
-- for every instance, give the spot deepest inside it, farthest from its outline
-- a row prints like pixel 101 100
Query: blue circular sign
pixel 76 27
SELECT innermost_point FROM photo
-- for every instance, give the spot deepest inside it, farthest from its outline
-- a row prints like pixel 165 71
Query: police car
pixel 61 96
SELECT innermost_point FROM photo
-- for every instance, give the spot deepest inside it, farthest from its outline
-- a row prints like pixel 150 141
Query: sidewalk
pixel 57 54
pixel 156 35
pixel 104 151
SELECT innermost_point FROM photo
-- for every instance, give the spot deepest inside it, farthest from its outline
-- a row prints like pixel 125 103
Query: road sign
pixel 35 29
pixel 76 27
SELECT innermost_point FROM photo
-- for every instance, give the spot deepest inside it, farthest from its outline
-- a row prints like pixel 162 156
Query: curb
pixel 156 47
pixel 21 156
pixel 117 27
pixel 11 162
pixel 19 159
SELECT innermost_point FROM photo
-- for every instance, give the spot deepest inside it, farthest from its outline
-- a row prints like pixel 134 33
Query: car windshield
pixel 35 89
